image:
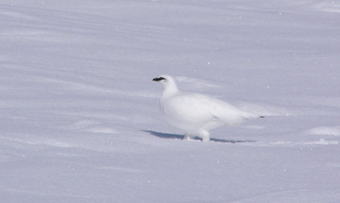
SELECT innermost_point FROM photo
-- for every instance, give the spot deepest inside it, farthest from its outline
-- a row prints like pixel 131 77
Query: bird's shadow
pixel 179 136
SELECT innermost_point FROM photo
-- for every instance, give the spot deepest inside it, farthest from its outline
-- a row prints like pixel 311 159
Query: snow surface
pixel 80 119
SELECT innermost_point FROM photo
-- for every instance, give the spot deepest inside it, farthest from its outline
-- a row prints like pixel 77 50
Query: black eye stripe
pixel 158 79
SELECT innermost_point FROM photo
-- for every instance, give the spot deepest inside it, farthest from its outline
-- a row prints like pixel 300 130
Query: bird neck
pixel 170 90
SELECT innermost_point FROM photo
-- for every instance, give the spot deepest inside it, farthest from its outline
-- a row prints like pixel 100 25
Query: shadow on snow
pixel 178 136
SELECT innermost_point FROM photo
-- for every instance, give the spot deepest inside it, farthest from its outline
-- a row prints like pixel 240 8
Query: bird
pixel 196 114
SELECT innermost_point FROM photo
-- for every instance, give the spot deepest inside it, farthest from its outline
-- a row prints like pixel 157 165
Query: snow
pixel 80 119
pixel 333 131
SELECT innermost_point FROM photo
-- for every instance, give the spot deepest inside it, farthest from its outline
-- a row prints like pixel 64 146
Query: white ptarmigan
pixel 197 114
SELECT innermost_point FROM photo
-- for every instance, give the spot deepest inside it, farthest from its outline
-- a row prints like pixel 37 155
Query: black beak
pixel 158 79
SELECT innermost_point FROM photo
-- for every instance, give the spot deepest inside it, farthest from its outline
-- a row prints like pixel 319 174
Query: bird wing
pixel 204 108
pixel 223 111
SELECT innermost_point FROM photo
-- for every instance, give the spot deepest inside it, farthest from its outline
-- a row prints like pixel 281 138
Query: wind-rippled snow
pixel 80 120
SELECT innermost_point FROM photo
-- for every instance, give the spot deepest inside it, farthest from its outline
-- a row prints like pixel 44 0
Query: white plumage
pixel 196 114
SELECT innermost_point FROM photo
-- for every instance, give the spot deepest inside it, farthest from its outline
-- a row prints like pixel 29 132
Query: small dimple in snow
pixel 49 142
pixel 3 58
pixel 332 6
pixel 14 14
pixel 255 127
pixel 103 130
pixel 18 32
pixel 324 130
pixel 4 158
pixel 293 144
pixel 323 142
pixel 92 126
pixel 334 165
pixel 83 124
pixel 56 143
pixel 115 168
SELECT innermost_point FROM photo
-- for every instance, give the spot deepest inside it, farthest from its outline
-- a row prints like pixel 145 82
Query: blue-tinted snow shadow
pixel 179 136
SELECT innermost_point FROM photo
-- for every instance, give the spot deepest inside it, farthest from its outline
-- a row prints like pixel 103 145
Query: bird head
pixel 164 79
pixel 168 83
